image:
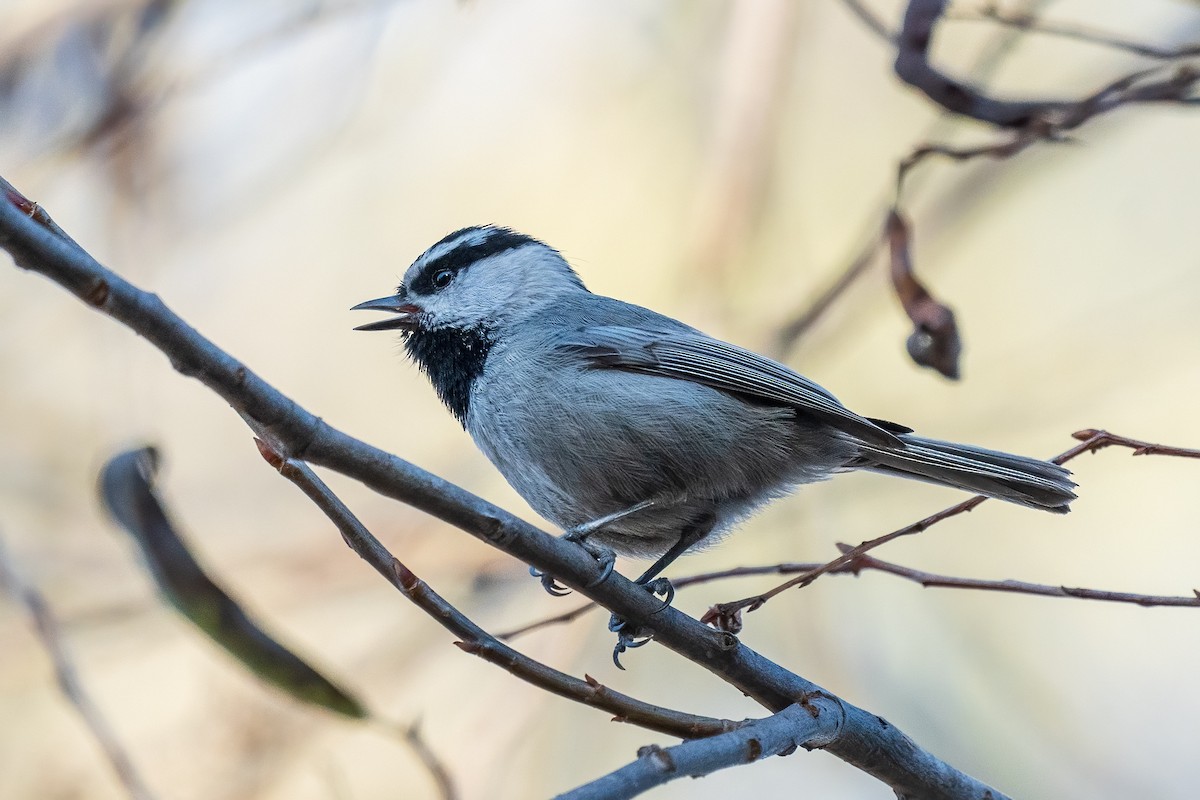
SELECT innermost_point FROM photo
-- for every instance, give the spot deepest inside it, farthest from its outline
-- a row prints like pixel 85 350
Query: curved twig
pixel 474 639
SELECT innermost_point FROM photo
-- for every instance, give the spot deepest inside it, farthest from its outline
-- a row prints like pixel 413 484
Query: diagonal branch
pixel 474 639
pixel 867 741
pixel 868 18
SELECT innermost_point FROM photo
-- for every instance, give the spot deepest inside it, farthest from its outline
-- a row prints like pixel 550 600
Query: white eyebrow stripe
pixel 469 238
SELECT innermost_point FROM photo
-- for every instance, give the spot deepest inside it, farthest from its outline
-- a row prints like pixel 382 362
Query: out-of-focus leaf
pixel 127 489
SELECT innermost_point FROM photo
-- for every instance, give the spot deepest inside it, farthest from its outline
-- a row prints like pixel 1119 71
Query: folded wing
pixel 692 356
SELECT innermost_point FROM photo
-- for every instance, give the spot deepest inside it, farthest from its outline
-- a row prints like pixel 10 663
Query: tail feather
pixel 1017 479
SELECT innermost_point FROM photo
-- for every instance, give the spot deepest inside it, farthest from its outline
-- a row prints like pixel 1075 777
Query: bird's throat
pixel 452 358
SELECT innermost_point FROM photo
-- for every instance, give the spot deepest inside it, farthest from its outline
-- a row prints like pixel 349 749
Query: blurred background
pixel 264 166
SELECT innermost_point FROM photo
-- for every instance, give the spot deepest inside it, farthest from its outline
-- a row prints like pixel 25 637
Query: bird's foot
pixel 580 535
pixel 603 555
pixel 629 637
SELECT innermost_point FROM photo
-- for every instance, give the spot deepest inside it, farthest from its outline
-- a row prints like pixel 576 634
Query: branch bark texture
pixel 812 723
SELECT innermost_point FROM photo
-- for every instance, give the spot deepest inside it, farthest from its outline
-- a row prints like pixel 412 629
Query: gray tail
pixel 1017 479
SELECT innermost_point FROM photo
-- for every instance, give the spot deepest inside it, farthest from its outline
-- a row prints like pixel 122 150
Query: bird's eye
pixel 442 278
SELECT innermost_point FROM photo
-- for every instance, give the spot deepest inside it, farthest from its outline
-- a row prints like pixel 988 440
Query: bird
pixel 633 432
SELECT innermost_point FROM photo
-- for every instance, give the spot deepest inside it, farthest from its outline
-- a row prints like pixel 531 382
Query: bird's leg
pixel 627 637
pixel 579 535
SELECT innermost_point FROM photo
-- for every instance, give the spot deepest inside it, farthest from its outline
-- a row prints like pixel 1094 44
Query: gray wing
pixel 691 356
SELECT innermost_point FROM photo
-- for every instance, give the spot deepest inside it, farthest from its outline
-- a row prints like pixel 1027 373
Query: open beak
pixel 405 319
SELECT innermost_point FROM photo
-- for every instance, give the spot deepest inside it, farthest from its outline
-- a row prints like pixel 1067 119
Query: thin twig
pixel 435 767
pixel 913 67
pixel 869 18
pixel 1031 23
pixel 410 735
pixel 727 616
pixel 794 330
pixel 933 580
pixel 474 639
pixel 51 636
pixel 1142 86
pixel 867 563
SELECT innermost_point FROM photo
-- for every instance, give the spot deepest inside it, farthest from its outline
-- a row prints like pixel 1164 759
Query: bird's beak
pixel 406 317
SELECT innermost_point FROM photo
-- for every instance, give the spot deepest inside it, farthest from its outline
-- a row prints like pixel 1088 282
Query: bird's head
pixel 477 278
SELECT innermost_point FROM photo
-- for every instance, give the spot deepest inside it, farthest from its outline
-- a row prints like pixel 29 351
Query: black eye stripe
pixel 498 240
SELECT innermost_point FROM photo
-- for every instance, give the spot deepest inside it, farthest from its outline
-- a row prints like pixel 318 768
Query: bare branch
pixel 811 723
pixel 474 639
pixel 1031 23
pixel 727 616
pixel 1143 86
pixel 931 580
pixel 868 742
pixel 46 627
pixel 913 67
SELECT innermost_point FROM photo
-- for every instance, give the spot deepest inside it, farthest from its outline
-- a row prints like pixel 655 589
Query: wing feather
pixel 692 356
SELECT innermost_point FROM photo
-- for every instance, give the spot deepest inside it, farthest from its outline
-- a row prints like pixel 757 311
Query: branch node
pixel 657 756
pixel 409 582
pixel 97 294
pixel 269 454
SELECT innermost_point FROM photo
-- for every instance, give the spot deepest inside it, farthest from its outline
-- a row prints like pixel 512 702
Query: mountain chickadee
pixel 632 431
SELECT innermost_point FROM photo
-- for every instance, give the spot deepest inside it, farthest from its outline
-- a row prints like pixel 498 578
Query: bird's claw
pixel 608 562
pixel 628 637
pixel 661 586
pixel 603 555
pixel 550 583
